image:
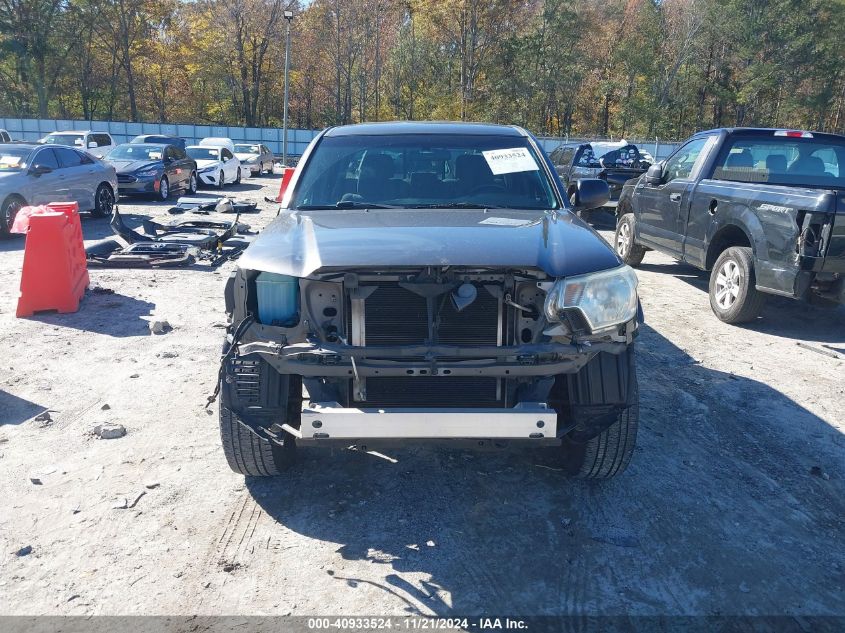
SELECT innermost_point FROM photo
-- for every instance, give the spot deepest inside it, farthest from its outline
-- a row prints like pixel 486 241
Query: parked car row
pixel 89 168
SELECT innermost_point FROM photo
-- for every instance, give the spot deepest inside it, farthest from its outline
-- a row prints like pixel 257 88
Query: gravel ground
pixel 733 504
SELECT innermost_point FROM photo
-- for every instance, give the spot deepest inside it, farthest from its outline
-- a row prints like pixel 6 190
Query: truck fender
pixel 735 226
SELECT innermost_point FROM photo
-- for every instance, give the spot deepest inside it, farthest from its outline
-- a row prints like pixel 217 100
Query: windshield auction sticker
pixel 508 161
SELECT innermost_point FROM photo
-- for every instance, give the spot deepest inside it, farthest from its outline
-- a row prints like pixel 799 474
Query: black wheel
pixel 249 447
pixel 221 180
pixel 606 386
pixel 249 453
pixel 192 183
pixel 164 189
pixel 734 297
pixel 8 211
pixel 623 241
pixel 103 201
pixel 238 178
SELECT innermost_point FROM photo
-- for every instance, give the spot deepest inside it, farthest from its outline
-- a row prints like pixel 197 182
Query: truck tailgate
pixel 834 261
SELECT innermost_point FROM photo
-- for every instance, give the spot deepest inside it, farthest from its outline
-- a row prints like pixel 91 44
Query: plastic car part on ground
pixel 218 204
pixel 178 243
pixel 112 254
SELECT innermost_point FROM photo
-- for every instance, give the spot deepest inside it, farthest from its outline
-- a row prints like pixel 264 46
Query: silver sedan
pixel 38 174
pixel 256 157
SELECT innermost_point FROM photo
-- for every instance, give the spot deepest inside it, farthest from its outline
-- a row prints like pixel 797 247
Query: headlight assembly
pixel 147 173
pixel 605 299
pixel 207 170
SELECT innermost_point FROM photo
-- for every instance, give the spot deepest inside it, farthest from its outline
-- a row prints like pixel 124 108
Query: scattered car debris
pixel 24 551
pixel 36 480
pixel 160 327
pixel 217 204
pixel 44 418
pixel 151 485
pixel 105 407
pixel 112 254
pixel 109 431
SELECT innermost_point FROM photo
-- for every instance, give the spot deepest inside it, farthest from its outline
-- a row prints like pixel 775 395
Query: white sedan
pixel 216 166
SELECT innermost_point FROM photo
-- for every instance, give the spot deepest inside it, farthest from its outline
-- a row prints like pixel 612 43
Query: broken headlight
pixel 605 299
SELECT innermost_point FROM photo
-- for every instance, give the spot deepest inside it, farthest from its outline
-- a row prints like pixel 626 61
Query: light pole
pixel 288 18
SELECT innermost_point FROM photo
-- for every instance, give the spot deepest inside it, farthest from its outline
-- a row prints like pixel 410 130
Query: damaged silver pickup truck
pixel 428 281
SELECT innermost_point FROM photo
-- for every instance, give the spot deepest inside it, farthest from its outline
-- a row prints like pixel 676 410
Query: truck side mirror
pixel 590 193
pixel 654 175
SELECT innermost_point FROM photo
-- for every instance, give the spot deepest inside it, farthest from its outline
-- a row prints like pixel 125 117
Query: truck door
pixel 663 207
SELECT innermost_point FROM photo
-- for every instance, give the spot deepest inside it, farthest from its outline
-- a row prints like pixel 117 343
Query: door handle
pixel 675 197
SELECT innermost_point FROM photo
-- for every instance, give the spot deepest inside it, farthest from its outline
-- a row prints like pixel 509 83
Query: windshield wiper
pixel 345 204
pixel 456 205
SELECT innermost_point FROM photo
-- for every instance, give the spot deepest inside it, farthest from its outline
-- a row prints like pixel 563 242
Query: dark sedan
pixel 153 168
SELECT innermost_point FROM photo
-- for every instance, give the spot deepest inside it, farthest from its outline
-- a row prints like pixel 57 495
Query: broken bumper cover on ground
pixel 330 421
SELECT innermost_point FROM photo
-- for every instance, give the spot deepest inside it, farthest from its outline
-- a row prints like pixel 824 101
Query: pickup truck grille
pixel 394 315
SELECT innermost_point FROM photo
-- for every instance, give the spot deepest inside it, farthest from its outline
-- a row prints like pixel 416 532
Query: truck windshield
pixel 813 162
pixel 424 170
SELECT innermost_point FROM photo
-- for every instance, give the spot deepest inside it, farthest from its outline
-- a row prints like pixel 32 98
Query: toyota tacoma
pixel 429 281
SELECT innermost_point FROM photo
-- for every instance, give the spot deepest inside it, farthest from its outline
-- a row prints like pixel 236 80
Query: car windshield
pixel 247 149
pixel 71 140
pixel 136 151
pixel 424 170
pixel 204 153
pixel 814 162
pixel 14 158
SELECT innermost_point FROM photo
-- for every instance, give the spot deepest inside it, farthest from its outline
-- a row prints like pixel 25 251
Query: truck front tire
pixel 623 241
pixel 605 388
pixel 734 297
pixel 247 452
pixel 254 398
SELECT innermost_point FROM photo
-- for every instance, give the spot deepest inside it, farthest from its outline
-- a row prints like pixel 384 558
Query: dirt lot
pixel 734 502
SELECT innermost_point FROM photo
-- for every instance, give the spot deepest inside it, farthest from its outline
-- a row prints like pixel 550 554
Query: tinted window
pixel 227 155
pixel 783 161
pixel 47 158
pixel 178 154
pixel 101 139
pixel 67 157
pixel 681 164
pixel 425 170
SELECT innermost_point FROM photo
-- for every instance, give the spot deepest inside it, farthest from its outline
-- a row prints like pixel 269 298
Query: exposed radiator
pixel 396 316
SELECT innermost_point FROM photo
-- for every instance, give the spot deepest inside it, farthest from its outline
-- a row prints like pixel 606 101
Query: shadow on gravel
pixel 781 316
pixel 14 410
pixel 106 313
pixel 731 505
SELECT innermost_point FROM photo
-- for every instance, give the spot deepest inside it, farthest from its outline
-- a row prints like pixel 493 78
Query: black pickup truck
pixel 764 210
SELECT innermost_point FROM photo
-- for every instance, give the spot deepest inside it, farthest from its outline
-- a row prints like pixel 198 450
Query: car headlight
pixel 605 299
pixel 147 173
pixel 251 160
pixel 207 170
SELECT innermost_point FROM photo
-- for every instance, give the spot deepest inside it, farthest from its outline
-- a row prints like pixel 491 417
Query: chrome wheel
pixel 623 239
pixel 164 189
pixel 728 284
